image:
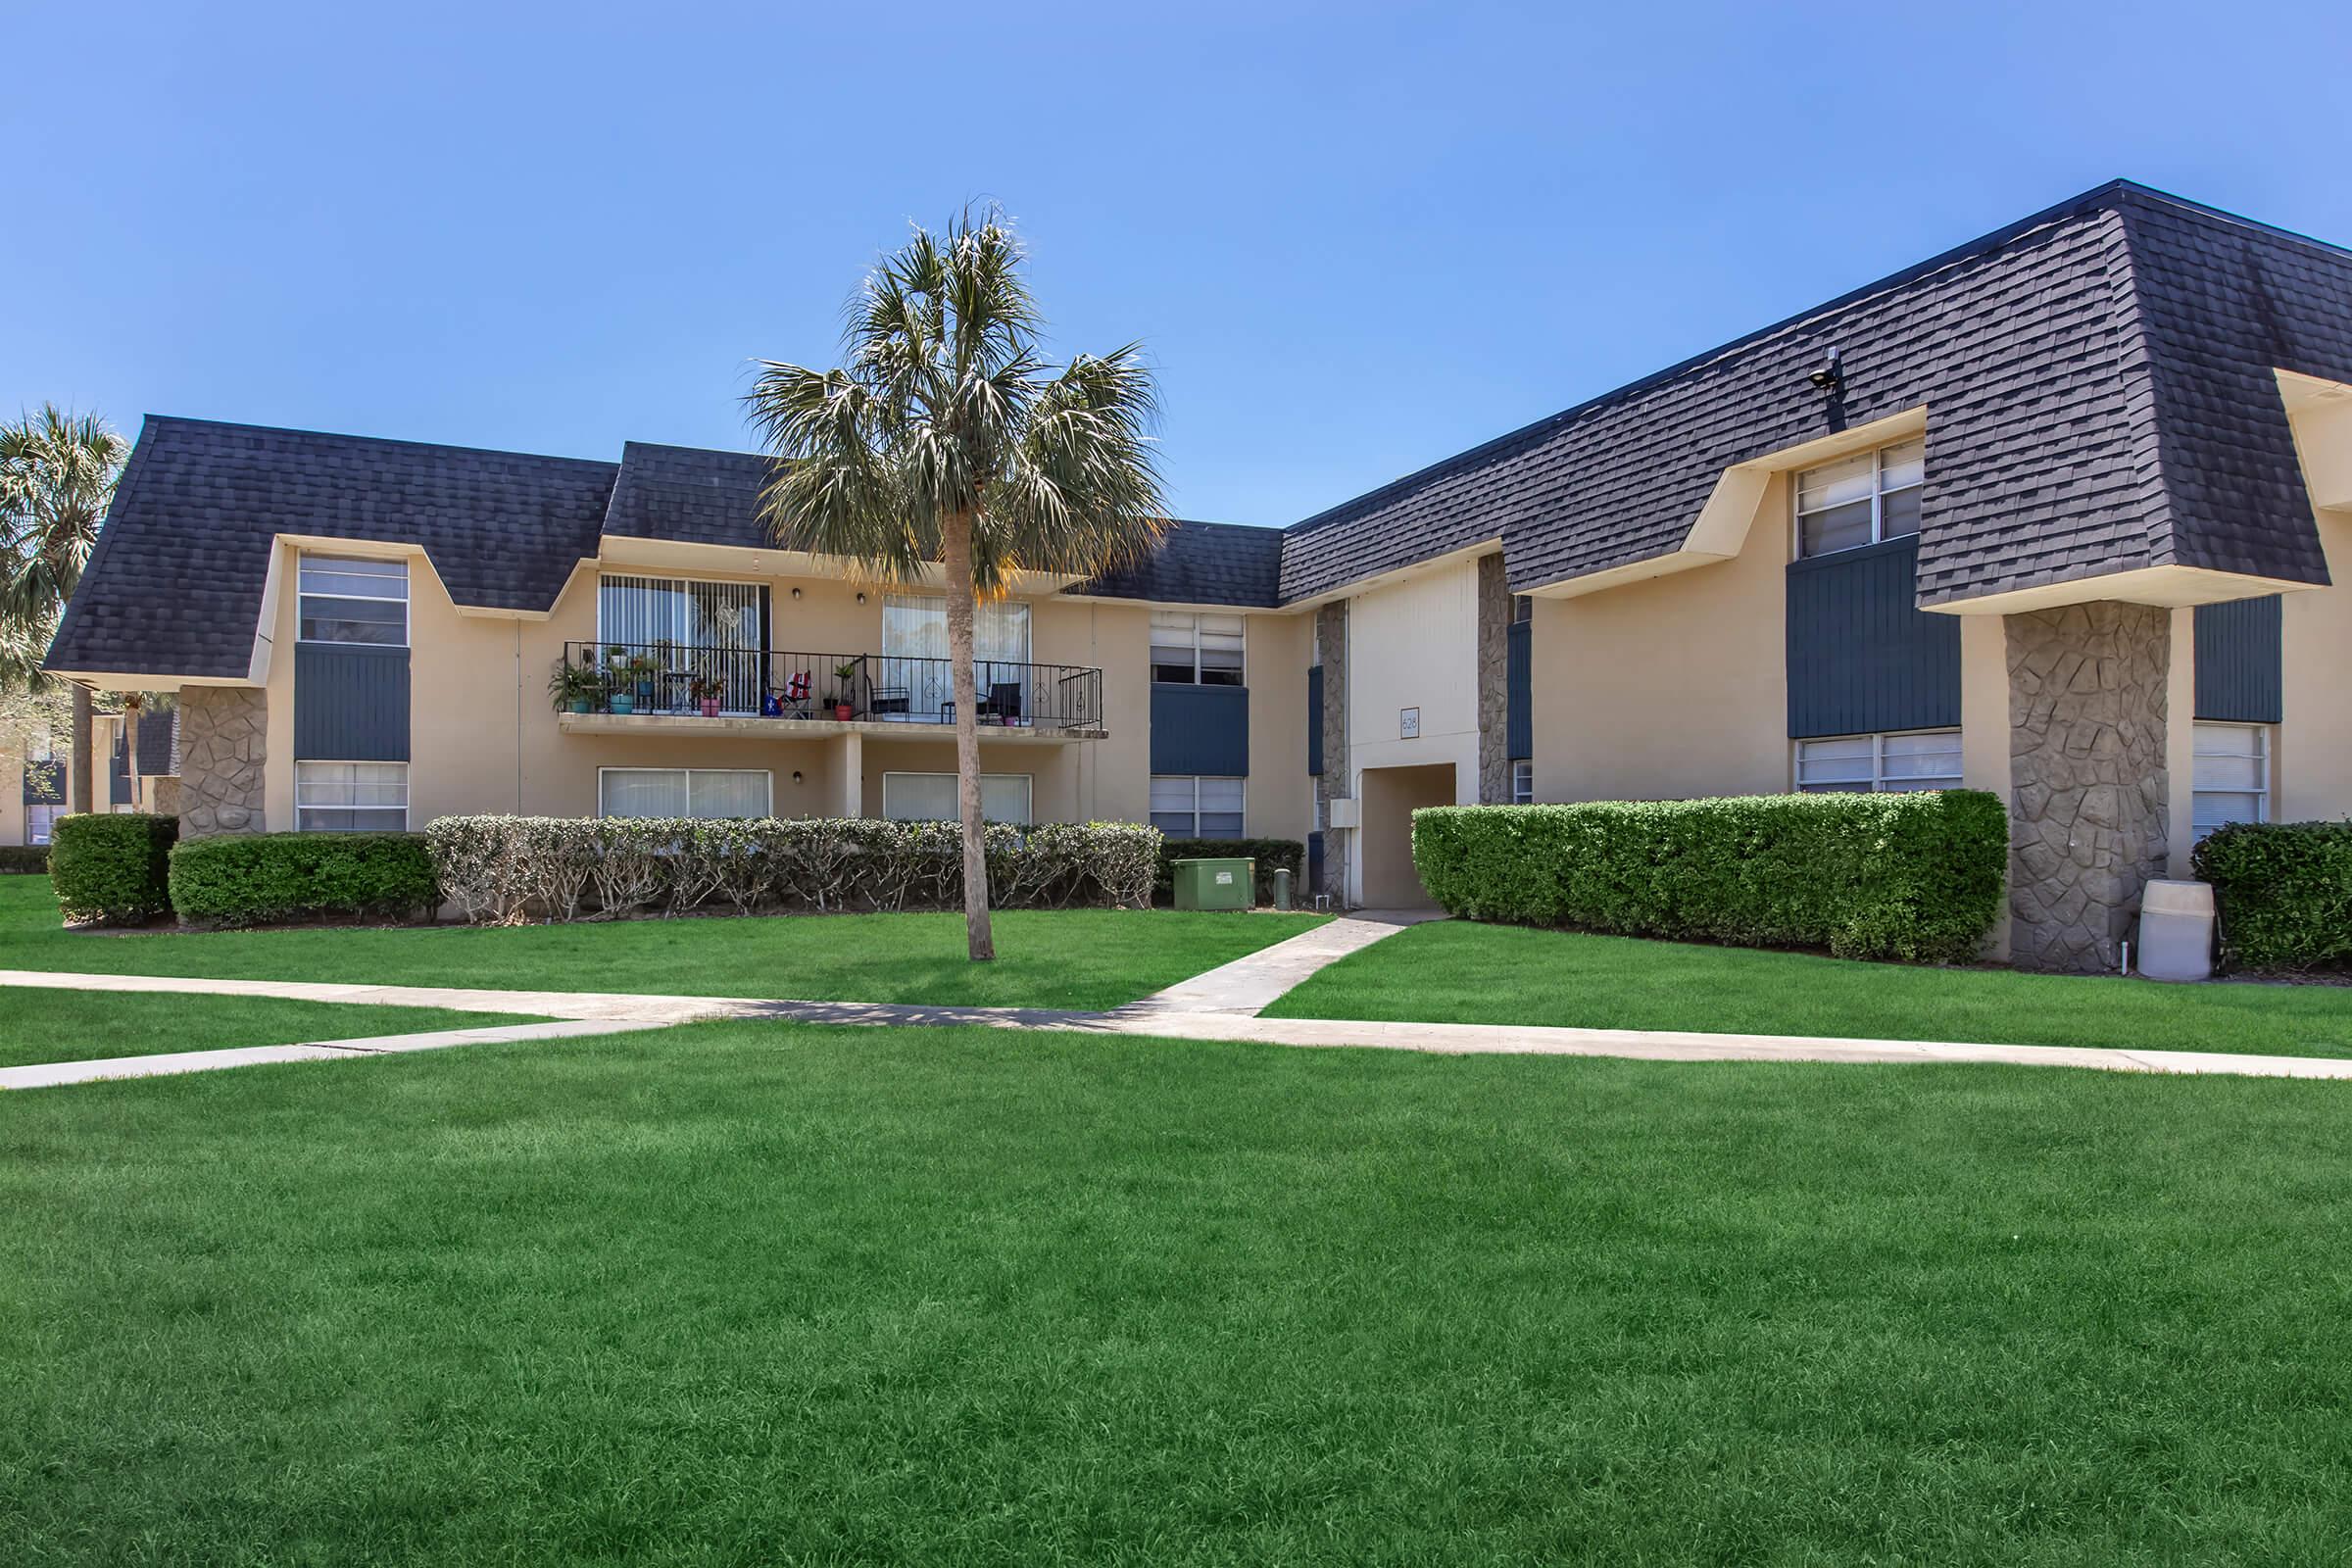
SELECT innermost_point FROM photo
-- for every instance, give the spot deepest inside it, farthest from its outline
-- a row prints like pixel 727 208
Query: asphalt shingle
pixel 174 584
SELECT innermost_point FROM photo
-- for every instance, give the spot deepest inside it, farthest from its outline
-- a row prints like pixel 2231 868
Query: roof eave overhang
pixel 2168 587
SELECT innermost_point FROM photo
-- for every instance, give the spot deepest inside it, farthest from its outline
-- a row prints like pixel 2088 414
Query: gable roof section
pixel 174 585
pixel 2079 396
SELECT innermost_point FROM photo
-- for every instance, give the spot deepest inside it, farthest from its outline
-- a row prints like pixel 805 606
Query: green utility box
pixel 1215 884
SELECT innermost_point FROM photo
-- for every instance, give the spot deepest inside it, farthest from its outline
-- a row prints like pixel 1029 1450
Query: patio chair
pixel 882 700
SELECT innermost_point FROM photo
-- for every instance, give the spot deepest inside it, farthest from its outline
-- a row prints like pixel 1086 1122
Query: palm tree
pixel 947 438
pixel 57 474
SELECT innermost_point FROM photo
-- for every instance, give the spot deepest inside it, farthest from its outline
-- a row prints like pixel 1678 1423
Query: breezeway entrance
pixel 1391 796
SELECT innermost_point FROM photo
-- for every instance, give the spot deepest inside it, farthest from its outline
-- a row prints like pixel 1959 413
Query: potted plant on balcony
pixel 621 691
pixel 576 687
pixel 844 702
pixel 705 690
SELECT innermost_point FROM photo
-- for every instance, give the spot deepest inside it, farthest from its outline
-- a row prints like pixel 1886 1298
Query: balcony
pixel 630 688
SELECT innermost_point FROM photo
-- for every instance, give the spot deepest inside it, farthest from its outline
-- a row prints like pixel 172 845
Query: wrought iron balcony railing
pixel 689 679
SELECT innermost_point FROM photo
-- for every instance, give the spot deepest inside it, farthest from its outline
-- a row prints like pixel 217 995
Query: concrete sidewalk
pixel 1222 1003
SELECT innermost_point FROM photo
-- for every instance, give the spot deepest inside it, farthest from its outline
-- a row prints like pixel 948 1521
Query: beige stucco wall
pixel 2181 744
pixel 1280 800
pixel 1671 688
pixel 2312 770
pixel 1410 644
pixel 484 737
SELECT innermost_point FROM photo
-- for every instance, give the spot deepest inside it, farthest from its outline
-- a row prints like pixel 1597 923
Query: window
pixel 931 798
pixel 1523 609
pixel 1522 782
pixel 1195 650
pixel 351 797
pixel 704 791
pixel 1865 764
pixel 1861 500
pixel 353 601
pixel 1185 807
pixel 38 821
pixel 2233 779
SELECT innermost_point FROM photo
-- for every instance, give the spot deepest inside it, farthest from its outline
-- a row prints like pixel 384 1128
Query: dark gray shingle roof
pixel 2098 381
pixel 692 495
pixel 1203 564
pixel 2098 378
pixel 174 585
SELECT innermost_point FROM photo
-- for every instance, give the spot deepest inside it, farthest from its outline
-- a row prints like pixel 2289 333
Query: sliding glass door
pixel 691 631
pixel 914 658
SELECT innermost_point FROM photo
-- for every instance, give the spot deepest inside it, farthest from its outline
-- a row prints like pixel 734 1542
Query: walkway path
pixel 1221 1005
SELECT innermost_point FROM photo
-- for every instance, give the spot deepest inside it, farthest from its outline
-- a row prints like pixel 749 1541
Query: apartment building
pixel 2051 514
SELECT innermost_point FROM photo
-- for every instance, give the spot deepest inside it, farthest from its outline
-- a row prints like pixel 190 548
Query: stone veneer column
pixel 2090 808
pixel 1493 682
pixel 1331 647
pixel 224 747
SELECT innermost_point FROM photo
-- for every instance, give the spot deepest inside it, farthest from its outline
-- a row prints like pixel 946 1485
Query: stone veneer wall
pixel 1493 682
pixel 223 745
pixel 2089 799
pixel 1331 647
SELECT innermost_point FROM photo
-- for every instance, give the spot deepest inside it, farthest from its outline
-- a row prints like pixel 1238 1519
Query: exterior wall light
pixel 1830 373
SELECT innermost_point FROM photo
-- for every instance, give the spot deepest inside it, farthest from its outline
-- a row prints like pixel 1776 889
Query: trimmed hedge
pixel 112 868
pixel 1913 876
pixel 502 870
pixel 23 860
pixel 260 878
pixel 2283 892
pixel 1268 853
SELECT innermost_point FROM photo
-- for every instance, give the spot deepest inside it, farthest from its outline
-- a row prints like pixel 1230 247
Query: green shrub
pixel 23 860
pixel 112 867
pixel 1914 876
pixel 260 878
pixel 2283 892
pixel 1269 854
pixel 500 870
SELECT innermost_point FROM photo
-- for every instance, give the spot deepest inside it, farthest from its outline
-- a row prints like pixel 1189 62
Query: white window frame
pixel 767 779
pixel 1879 492
pixel 44 814
pixel 301 805
pixel 1162 619
pixel 304 560
pixel 1028 783
pixel 1879 779
pixel 1194 780
pixel 2261 734
pixel 1523 781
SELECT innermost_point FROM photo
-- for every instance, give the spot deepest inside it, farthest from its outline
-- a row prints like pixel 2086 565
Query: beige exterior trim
pixel 2165 587
pixel 1721 529
pixel 2320 414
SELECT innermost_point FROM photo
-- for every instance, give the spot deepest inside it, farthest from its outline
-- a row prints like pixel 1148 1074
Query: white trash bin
pixel 2176 931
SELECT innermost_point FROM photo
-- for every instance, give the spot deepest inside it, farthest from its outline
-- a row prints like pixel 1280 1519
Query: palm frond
pixel 945 406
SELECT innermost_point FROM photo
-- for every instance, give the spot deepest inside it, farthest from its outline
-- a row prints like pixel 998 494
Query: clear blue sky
pixel 1355 238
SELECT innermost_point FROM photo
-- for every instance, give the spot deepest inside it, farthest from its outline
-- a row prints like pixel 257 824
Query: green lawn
pixel 1460 972
pixel 759 1293
pixel 1077 959
pixel 40 1025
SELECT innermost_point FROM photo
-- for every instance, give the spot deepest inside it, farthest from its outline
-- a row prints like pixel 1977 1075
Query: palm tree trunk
pixel 78 796
pixel 958 549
